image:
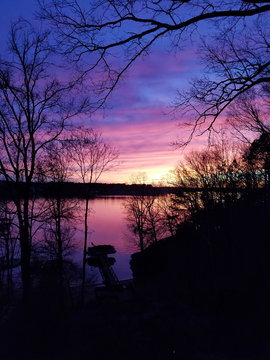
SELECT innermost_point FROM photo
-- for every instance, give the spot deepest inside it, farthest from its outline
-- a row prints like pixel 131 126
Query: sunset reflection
pixel 107 225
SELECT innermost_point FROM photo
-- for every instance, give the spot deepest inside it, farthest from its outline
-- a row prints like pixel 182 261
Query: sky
pixel 137 119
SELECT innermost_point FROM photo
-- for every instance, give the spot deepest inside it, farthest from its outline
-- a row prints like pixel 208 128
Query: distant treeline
pixel 80 190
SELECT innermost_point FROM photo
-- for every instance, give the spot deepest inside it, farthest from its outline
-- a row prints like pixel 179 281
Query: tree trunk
pixel 23 219
pixel 85 245
pixel 59 240
pixel 141 242
pixel 25 260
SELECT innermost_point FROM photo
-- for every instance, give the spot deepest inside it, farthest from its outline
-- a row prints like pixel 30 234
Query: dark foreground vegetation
pixel 217 265
pixel 202 294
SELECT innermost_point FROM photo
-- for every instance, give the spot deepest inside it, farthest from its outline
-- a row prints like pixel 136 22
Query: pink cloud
pixel 134 121
pixel 143 137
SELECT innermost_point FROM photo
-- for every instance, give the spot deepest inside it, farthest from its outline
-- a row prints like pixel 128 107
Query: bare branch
pixel 109 30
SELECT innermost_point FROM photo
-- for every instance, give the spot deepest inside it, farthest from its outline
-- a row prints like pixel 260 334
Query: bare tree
pixel 236 56
pixel 33 112
pixel 170 215
pixel 237 66
pixel 9 249
pixel 136 211
pixel 150 218
pixel 248 117
pixel 143 213
pixel 257 158
pixel 91 156
pixel 153 218
pixel 60 211
pixel 211 176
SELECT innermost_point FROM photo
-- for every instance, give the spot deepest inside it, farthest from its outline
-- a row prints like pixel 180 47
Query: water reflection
pixel 107 225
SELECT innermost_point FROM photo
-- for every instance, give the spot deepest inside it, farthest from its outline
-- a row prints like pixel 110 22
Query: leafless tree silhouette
pixel 60 214
pixel 33 111
pixel 91 156
pixel 236 54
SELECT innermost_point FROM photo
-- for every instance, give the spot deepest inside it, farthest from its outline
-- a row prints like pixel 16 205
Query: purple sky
pixel 137 119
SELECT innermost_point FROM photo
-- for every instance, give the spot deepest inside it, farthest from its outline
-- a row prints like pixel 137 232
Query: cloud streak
pixel 136 120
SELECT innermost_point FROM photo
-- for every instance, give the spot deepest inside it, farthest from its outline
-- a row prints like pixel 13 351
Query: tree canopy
pixel 109 36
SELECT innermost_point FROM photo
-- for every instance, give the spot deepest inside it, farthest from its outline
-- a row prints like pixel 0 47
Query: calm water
pixel 107 225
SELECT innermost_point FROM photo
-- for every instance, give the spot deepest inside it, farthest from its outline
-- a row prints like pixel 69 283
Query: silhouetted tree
pixel 33 111
pixel 236 61
pixel 249 116
pixel 9 236
pixel 153 218
pixel 249 121
pixel 143 214
pixel 136 210
pixel 236 54
pixel 211 177
pixel 137 221
pixel 258 156
pixel 91 156
pixel 60 211
pixel 170 215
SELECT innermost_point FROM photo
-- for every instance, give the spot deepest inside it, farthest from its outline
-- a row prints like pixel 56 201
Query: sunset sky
pixel 137 119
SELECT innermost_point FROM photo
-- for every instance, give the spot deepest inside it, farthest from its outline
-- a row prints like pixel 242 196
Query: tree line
pixel 218 176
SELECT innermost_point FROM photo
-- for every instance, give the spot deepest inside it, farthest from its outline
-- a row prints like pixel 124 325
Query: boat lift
pixel 98 257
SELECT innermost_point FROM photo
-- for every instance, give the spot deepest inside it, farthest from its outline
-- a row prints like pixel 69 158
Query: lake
pixel 107 225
